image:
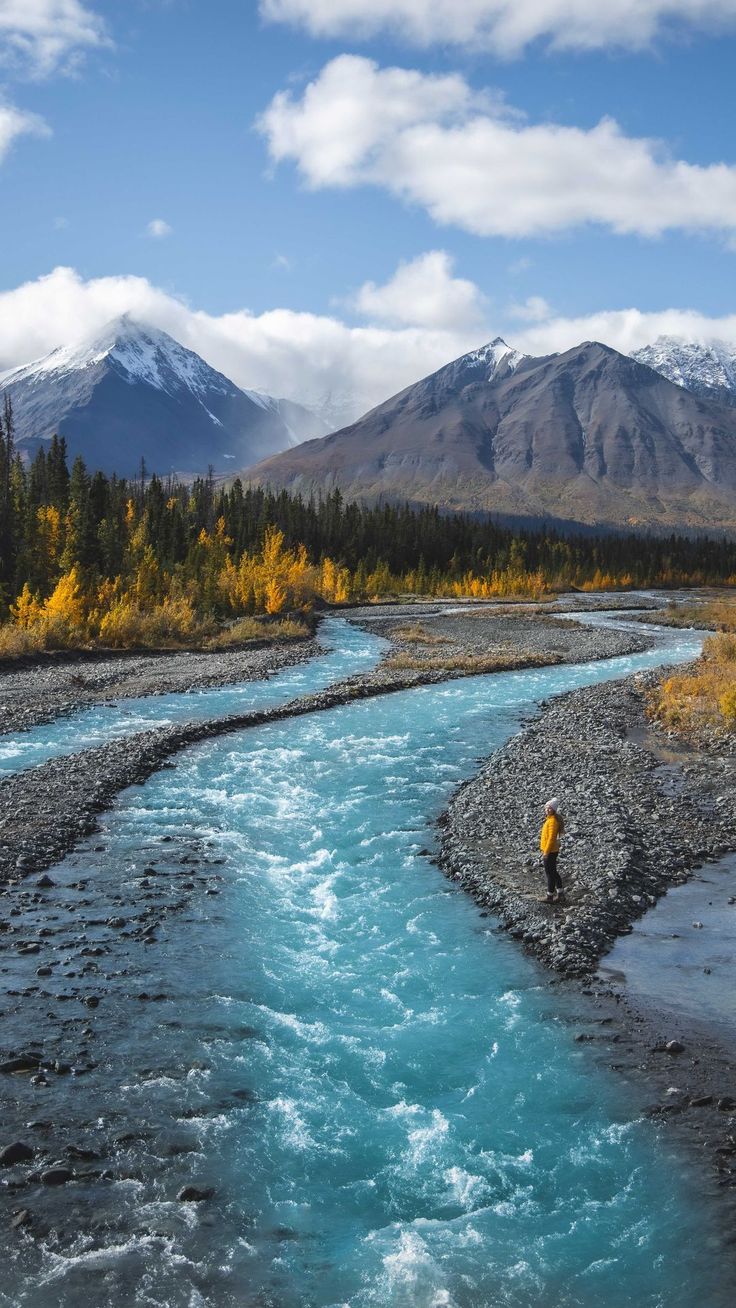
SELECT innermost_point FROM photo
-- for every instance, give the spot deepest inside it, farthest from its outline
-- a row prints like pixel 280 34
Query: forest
pixel 90 558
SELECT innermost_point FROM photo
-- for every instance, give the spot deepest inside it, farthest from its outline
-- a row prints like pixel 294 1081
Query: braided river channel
pixel 383 1091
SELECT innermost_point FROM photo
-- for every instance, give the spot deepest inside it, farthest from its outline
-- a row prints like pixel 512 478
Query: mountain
pixel 589 436
pixel 708 370
pixel 134 392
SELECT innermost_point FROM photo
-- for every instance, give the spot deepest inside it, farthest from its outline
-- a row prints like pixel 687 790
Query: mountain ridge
pixel 589 435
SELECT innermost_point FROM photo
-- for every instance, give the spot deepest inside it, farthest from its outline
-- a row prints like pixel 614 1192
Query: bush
pixel 127 625
pixel 15 642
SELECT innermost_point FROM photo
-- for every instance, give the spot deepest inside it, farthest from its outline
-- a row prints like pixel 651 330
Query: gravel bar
pixel 640 814
pixel 41 689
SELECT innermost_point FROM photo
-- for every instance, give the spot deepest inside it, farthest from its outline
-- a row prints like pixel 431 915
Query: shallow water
pixel 385 1093
pixel 680 958
pixel 348 650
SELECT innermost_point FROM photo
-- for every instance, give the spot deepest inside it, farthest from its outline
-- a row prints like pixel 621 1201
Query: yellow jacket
pixel 549 840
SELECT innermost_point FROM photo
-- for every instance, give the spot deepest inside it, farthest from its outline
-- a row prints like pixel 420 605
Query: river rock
pixel 56 1176
pixel 15 1153
pixel 192 1194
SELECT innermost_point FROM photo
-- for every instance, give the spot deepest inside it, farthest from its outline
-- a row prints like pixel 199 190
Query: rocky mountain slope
pixel 133 392
pixel 590 436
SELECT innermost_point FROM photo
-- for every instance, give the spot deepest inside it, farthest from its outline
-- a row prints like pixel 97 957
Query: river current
pixel 383 1090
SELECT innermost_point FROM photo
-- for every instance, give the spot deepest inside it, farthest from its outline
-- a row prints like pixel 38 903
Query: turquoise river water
pixel 384 1091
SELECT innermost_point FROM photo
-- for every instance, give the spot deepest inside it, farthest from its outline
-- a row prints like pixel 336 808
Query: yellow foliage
pixel 66 603
pixel 127 624
pixel 27 610
pixel 705 696
pixel 275 596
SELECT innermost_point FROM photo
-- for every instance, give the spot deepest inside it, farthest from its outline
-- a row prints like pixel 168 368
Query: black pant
pixel 554 880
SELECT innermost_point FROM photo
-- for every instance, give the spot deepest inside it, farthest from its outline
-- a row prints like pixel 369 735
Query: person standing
pixel 549 843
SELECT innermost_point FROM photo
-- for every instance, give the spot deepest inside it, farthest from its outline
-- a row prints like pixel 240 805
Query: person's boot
pixel 550 898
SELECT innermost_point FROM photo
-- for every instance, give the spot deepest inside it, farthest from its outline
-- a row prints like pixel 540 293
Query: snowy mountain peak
pixel 132 391
pixel 705 368
pixel 497 356
pixel 136 352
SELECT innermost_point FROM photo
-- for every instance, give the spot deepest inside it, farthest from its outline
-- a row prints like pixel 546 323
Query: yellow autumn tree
pixel 27 610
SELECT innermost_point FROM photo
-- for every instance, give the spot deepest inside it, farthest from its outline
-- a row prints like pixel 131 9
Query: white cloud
pixel 15 123
pixel 506 27
pixel 304 356
pixel 159 229
pixel 469 162
pixel 423 293
pixel 534 309
pixel 625 329
pixel 45 36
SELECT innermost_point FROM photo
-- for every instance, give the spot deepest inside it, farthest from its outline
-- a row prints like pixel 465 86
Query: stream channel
pixel 383 1090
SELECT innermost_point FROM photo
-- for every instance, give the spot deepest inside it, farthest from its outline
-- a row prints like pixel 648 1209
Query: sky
pixel 332 198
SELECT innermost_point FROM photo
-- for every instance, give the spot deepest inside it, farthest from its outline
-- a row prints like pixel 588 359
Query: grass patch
pixel 714 615
pixel 419 636
pixel 249 629
pixel 475 664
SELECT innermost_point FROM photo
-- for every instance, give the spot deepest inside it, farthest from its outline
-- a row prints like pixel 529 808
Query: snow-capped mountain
pixel 708 370
pixel 134 392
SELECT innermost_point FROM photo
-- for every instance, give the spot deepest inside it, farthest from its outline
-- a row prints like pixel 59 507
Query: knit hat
pixel 554 804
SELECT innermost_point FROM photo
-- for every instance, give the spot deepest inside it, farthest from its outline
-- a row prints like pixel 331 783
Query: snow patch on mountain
pixel 705 368
pixel 496 356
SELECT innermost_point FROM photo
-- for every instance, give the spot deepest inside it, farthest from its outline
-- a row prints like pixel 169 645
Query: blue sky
pixel 147 111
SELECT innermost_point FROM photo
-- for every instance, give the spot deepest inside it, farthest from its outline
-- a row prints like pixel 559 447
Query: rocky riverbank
pixel 43 688
pixel 639 816
pixel 46 809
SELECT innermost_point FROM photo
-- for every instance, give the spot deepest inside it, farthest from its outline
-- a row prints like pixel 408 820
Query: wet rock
pixel 701 1101
pixel 192 1194
pixel 22 1063
pixel 22 1217
pixel 15 1153
pixel 56 1176
pixel 45 882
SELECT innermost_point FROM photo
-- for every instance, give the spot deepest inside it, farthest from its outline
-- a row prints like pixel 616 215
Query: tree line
pixel 84 555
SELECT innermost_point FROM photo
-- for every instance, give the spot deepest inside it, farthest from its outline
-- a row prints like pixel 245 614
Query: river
pixel 383 1091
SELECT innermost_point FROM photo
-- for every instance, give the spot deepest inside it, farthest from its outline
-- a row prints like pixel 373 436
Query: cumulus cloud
pixel 423 293
pixel 506 27
pixel 159 229
pixel 305 356
pixel 471 162
pixel 15 123
pixel 45 36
